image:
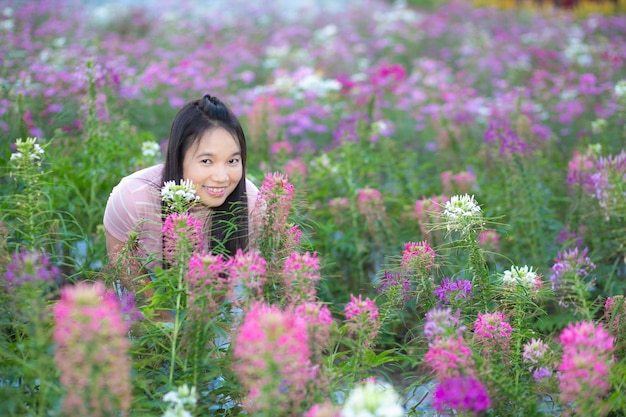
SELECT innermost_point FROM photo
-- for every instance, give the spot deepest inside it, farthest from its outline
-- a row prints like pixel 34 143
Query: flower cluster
pixel 372 399
pixel 463 394
pixel 301 272
pixel 371 206
pixel 362 316
pixel 272 359
pixel 395 287
pixel 182 234
pixel 206 279
pixel 180 400
pixel 462 214
pixel 31 267
pixel 449 357
pixel 607 184
pixel 247 274
pixel 427 212
pixel 92 351
pixel 570 263
pixel 493 332
pixel 457 183
pixel 27 152
pixel 536 352
pixel 449 292
pixel 585 364
pixel 179 198
pixel 419 257
pixel 442 323
pixel 523 277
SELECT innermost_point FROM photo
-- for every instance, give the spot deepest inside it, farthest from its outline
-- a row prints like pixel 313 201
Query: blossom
pixel 150 149
pixel 395 287
pixel 275 197
pixel 372 399
pixel 247 272
pixel 179 198
pixel 272 358
pixel 371 206
pixel 362 317
pixel 492 326
pixel 585 363
pixel 523 276
pixel 182 234
pixel 570 263
pixel 462 214
pixel 31 267
pixel 301 272
pixel 427 212
pixel 28 150
pixel 463 394
pixel 450 291
pixel 534 350
pixel 441 322
pixel 449 357
pixel 489 240
pixel 323 410
pixel 620 88
pixel 92 351
pixel 607 183
pixel 418 256
pixel 541 373
pixel 206 279
pixel 179 400
pixel 318 319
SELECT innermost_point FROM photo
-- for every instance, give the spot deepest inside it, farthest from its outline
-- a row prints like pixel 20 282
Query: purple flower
pixel 541 373
pixel 442 322
pixel 571 261
pixel 394 283
pixel 462 394
pixel 449 291
pixel 30 267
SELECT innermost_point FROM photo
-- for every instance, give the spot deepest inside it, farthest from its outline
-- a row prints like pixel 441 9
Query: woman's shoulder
pixel 153 175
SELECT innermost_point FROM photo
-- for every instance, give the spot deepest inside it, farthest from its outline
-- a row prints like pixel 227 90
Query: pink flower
pixel 362 318
pixel 534 350
pixel 489 240
pixel 449 357
pixel 92 351
pixel 585 364
pixel 301 274
pixel 492 326
pixel 370 202
pixel 182 234
pixel 275 198
pixel 206 276
pixel 418 256
pixel 247 272
pixel 272 359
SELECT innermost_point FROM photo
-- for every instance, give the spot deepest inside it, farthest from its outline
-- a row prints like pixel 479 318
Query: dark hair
pixel 192 121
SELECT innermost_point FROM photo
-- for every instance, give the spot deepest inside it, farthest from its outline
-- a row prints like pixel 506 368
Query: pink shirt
pixel 135 206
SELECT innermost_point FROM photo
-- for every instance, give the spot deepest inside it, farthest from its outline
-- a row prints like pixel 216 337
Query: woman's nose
pixel 220 174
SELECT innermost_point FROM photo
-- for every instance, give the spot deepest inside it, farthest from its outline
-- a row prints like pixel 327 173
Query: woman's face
pixel 214 165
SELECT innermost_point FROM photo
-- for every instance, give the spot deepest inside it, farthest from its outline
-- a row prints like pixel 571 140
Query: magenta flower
pixel 206 278
pixel 272 359
pixel 585 364
pixel 541 373
pixel 247 273
pixel 182 235
pixel 362 317
pixel 301 272
pixel 449 357
pixel 418 257
pixel 534 350
pixel 395 287
pixel 92 351
pixel 492 326
pixel 462 394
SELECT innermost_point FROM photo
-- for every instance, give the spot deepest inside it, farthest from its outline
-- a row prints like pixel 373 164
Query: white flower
pixel 28 147
pixel 524 276
pixel 179 399
pixel 372 399
pixel 620 88
pixel 150 149
pixel 462 213
pixel 598 126
pixel 179 197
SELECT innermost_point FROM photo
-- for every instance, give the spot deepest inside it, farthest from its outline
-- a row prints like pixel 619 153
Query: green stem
pixel 176 323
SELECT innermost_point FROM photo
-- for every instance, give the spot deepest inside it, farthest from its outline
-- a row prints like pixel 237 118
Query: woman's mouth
pixel 215 191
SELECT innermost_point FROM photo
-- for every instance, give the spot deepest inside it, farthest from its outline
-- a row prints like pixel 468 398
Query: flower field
pixel 444 233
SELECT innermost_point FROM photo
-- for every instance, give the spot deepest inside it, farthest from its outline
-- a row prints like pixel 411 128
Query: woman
pixel 207 146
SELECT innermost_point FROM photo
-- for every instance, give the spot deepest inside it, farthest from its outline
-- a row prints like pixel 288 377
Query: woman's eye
pixel 234 161
pixel 205 161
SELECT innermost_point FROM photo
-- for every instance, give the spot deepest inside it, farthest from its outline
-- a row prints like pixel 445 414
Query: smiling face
pixel 214 165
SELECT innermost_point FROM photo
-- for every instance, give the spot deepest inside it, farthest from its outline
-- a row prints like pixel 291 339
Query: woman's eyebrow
pixel 238 153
